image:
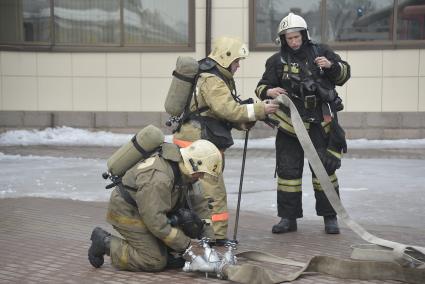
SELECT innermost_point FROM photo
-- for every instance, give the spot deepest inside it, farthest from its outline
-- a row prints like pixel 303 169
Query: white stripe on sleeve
pixel 251 112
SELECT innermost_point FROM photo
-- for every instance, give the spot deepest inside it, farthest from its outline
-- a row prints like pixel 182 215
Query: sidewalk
pixel 106 152
pixel 46 240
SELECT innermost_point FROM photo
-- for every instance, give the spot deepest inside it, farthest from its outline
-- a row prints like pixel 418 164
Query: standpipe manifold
pixel 210 261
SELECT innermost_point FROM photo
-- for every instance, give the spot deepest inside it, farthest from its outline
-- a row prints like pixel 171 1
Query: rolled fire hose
pixel 381 259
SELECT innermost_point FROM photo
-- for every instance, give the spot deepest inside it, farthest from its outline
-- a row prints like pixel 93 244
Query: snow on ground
pixel 68 136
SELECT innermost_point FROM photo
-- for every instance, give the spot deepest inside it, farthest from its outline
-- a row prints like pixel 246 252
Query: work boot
pixel 100 245
pixel 284 226
pixel 331 224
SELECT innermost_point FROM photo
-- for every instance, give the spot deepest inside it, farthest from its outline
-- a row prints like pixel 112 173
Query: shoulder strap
pixel 125 195
pixel 183 77
pixel 176 172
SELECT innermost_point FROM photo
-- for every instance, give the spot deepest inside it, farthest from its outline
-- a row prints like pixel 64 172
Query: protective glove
pixel 189 222
pixel 331 160
pixel 337 142
pixel 244 125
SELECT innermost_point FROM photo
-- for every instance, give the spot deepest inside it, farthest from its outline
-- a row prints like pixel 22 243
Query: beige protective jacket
pixel 214 93
pixel 157 195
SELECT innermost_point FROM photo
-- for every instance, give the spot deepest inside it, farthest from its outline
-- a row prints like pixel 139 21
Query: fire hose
pixel 380 260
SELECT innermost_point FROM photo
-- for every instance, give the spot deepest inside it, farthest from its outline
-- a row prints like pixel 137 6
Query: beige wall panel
pixel 90 94
pixel 89 64
pixel 363 94
pixel 365 63
pixel 123 94
pixel 200 52
pixel 19 93
pixel 200 25
pixel 245 25
pixel 421 106
pixel 249 86
pixel 1 93
pixel 54 64
pixel 254 65
pixel 55 93
pixel 19 63
pixel 342 93
pixel 227 4
pixel 154 92
pixel 227 22
pixel 422 62
pixel 160 64
pixel 400 63
pixel 123 65
pixel 200 4
pixel 400 94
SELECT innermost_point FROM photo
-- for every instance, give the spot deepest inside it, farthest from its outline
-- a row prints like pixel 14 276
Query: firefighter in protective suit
pixel 214 110
pixel 307 73
pixel 166 212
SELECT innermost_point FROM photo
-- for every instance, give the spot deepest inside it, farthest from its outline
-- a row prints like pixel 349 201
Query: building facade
pixel 108 63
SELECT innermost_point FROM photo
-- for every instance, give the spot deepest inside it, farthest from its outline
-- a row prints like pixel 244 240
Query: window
pixel 359 20
pixel 156 22
pixel 139 25
pixel 350 24
pixel 411 20
pixel 86 22
pixel 25 21
pixel 269 13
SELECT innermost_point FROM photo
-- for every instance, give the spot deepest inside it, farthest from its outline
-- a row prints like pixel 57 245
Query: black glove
pixel 331 156
pixel 189 222
pixel 337 142
pixel 331 160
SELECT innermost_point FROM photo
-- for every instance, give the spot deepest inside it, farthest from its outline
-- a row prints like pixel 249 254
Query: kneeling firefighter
pixel 307 73
pixel 211 113
pixel 156 210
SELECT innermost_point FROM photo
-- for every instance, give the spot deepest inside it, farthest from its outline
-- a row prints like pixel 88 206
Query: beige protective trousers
pixel 138 251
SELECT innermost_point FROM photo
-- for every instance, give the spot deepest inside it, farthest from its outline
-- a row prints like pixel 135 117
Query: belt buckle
pixel 310 102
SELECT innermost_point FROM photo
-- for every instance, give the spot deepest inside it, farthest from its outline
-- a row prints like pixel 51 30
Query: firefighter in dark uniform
pixel 307 73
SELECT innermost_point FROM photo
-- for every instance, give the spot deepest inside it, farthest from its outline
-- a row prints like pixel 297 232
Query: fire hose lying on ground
pixel 379 260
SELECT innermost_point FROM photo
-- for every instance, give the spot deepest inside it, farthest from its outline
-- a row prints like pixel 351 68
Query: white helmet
pixel 202 156
pixel 292 23
pixel 227 49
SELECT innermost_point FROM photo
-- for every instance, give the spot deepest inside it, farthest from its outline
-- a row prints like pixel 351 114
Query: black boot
pixel 285 225
pixel 331 224
pixel 100 246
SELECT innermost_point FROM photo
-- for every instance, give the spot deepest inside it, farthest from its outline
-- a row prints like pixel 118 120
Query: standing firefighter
pixel 213 111
pixel 307 73
pixel 165 213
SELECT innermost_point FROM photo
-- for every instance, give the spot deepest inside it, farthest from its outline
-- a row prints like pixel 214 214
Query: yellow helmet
pixel 202 156
pixel 227 49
